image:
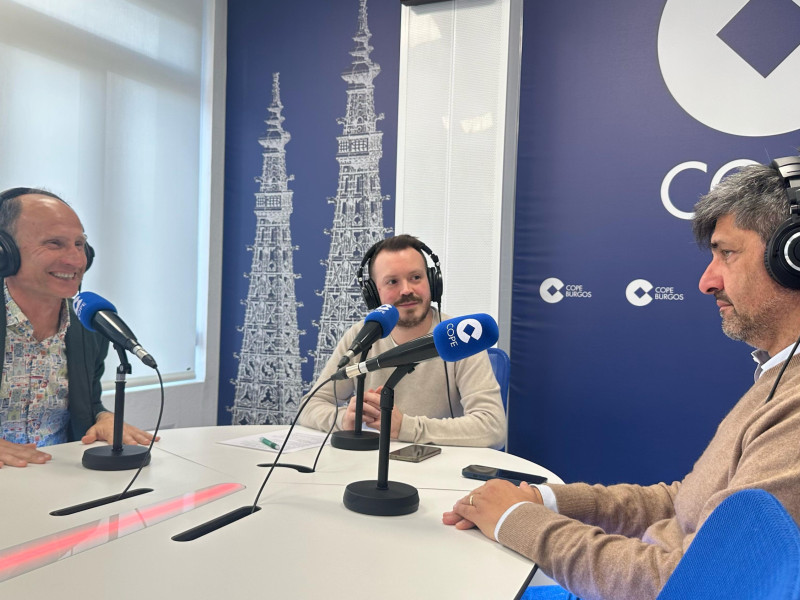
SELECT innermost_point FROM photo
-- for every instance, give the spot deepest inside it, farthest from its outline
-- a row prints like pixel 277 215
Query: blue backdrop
pixel 610 381
pixel 616 95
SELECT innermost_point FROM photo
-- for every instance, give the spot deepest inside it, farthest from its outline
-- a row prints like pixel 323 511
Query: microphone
pixel 98 314
pixel 377 324
pixel 451 340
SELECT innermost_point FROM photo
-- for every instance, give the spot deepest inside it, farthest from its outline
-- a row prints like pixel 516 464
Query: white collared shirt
pixel 766 362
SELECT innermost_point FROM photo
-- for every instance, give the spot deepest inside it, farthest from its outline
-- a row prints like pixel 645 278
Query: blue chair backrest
pixel 749 547
pixel 501 365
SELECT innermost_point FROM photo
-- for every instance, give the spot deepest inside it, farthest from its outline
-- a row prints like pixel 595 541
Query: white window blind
pixel 102 103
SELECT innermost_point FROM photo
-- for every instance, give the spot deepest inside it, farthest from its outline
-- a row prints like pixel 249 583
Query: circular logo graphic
pixel 715 83
pixel 550 290
pixel 475 333
pixel 638 292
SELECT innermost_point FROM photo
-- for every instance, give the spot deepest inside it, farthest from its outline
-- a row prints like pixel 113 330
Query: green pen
pixel 272 445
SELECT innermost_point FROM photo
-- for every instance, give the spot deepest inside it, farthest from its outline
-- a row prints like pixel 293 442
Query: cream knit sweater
pixel 422 396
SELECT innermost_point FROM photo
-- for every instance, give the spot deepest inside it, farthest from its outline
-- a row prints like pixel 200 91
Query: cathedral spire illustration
pixel 269 382
pixel 358 204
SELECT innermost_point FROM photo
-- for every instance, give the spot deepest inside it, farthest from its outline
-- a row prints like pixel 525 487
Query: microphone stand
pixel 117 457
pixel 357 439
pixel 382 497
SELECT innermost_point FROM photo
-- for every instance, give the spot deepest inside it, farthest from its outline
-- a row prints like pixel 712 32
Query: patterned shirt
pixel 33 389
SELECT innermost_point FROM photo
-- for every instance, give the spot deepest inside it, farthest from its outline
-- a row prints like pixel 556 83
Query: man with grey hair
pixel 624 541
pixel 750 207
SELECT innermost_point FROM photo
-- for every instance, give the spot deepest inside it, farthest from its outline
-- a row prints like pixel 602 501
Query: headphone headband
pixel 369 290
pixel 789 169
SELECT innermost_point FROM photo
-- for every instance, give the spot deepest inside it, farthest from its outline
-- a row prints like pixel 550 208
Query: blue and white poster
pixel 629 112
pixel 309 178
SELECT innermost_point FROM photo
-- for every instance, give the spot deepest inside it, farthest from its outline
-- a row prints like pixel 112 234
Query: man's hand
pixel 484 506
pixel 103 430
pixel 373 399
pixel 19 455
pixel 370 414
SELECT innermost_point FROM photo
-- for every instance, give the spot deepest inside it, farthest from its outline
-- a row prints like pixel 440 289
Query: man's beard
pixel 413 321
pixel 754 328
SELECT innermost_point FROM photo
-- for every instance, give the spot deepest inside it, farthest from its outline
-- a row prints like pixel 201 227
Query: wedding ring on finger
pixel 471 496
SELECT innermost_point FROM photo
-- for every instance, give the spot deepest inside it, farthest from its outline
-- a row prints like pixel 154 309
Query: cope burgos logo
pixel 641 292
pixel 718 69
pixel 554 290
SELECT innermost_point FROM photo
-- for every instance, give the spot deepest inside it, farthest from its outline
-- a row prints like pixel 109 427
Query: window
pixel 104 103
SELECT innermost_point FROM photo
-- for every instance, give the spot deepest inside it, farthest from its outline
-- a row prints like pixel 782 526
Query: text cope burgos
pixel 576 291
pixel 667 293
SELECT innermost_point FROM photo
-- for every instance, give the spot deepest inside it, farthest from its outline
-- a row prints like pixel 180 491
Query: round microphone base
pixel 366 498
pixel 351 440
pixel 105 458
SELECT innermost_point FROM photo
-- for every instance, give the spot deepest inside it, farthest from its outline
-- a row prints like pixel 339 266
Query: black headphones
pixel 9 252
pixel 782 254
pixel 369 291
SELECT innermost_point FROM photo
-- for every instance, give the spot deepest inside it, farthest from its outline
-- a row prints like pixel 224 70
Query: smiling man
pixel 51 368
pixel 454 403
pixel 623 541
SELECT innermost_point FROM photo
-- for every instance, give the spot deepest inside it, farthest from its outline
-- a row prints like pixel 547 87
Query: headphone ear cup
pixel 436 285
pixel 370 294
pixel 9 255
pixel 89 256
pixel 369 291
pixel 782 254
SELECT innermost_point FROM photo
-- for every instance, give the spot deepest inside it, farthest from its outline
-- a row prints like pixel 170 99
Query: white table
pixel 302 543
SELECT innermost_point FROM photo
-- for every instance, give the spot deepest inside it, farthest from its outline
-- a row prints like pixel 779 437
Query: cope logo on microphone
pixel 469 329
pixel 78 305
pixel 554 290
pixel 385 308
pixel 641 292
pixel 465 330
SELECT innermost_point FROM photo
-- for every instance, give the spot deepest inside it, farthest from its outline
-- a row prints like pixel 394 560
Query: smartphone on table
pixel 414 453
pixel 485 473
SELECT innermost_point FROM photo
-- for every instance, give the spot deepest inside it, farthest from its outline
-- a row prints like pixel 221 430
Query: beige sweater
pixel 479 418
pixel 623 541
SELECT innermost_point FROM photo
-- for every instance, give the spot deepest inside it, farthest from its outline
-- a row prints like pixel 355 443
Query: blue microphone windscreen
pixel 464 336
pixel 86 305
pixel 386 315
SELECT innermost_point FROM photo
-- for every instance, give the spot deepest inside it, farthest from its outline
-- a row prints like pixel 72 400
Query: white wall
pixel 458 112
